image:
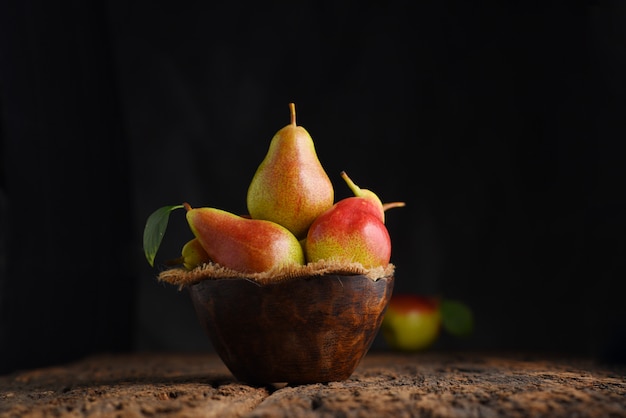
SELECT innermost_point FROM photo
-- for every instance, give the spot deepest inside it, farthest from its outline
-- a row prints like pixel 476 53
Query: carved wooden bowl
pixel 303 330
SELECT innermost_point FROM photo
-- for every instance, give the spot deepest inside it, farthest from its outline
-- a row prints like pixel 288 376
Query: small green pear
pixel 192 255
pixel 290 187
pixel 243 244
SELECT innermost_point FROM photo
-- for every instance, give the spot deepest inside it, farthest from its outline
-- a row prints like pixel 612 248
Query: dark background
pixel 501 127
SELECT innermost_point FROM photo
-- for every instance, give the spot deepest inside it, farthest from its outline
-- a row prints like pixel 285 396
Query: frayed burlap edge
pixel 181 277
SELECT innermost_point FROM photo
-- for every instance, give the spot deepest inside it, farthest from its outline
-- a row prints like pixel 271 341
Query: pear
pixel 349 232
pixel 243 244
pixel 192 255
pixel 352 230
pixel 372 202
pixel 290 186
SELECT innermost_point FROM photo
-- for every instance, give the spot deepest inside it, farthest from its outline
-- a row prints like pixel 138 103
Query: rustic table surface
pixel 396 385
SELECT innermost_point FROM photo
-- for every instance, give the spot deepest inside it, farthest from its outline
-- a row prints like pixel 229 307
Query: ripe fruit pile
pixel 292 219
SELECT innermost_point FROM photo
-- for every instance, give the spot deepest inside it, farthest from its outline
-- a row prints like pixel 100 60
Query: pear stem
pixel 187 206
pixel 292 111
pixel 393 205
pixel 355 189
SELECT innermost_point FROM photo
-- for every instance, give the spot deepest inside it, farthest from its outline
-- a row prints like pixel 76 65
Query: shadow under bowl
pixel 302 330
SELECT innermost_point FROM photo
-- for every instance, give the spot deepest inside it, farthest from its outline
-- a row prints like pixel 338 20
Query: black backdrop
pixel 502 127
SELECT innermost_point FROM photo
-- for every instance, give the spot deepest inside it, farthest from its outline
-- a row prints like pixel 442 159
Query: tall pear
pixel 290 186
pixel 243 244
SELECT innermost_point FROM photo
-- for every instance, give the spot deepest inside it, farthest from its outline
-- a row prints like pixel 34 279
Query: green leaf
pixel 457 318
pixel 155 230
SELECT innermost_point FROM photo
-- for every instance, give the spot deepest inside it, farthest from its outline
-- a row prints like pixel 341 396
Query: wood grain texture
pixel 303 330
pixel 430 384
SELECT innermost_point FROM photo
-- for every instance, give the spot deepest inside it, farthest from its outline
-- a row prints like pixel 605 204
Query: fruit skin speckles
pixel 243 244
pixel 353 230
pixel 346 232
pixel 290 186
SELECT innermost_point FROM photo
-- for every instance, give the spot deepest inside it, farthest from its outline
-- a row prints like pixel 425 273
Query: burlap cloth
pixel 181 277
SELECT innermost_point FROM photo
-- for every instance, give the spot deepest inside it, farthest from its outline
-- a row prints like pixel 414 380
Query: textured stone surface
pixel 430 385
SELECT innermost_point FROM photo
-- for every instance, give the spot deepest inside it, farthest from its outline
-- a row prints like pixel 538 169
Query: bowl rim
pixel 182 277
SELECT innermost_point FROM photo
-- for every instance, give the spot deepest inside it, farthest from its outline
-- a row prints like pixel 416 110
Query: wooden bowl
pixel 302 330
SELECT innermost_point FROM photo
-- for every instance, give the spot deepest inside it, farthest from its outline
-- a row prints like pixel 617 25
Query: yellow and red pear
pixel 412 322
pixel 348 233
pixel 290 186
pixel 243 244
